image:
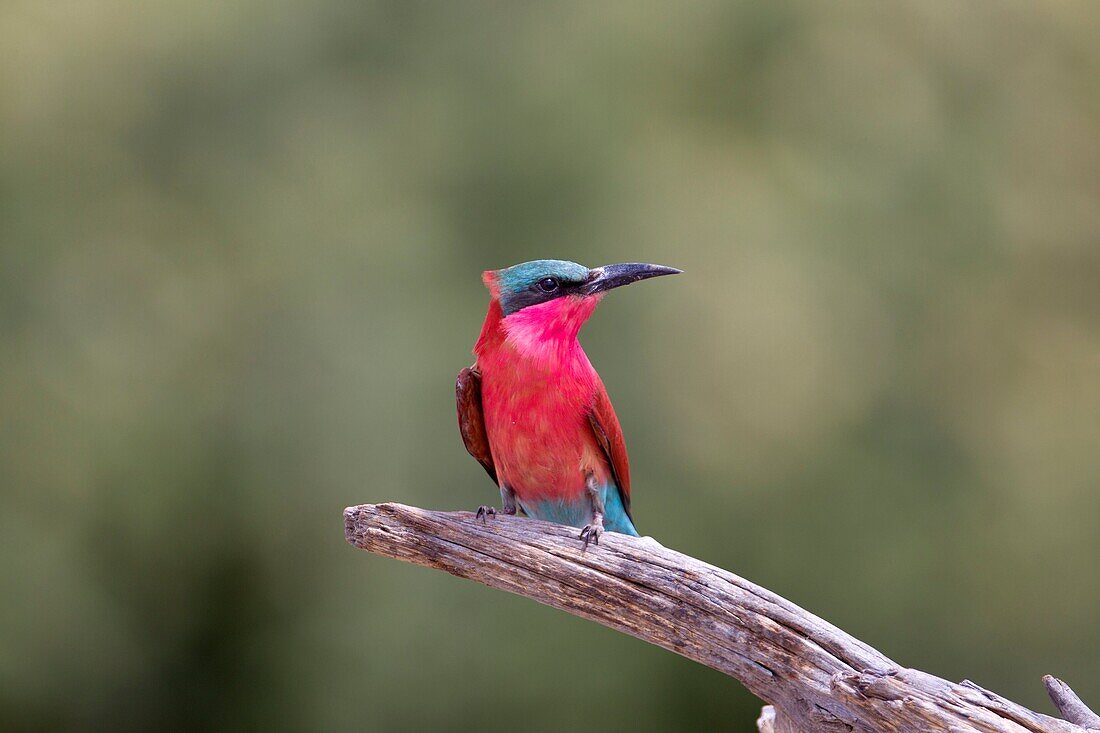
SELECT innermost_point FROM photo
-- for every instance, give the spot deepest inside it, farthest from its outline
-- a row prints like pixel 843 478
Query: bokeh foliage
pixel 240 244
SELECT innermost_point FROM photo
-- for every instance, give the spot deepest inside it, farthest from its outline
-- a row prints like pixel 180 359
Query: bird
pixel 533 411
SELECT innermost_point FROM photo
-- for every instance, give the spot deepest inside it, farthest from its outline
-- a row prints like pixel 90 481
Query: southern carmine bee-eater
pixel 534 412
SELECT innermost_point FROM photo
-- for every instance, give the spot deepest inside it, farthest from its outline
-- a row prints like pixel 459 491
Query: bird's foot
pixel 484 512
pixel 592 532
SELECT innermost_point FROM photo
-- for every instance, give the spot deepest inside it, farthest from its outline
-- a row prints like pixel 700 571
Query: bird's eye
pixel 549 284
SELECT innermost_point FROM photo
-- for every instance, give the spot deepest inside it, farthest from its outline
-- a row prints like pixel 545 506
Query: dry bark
pixel 814 676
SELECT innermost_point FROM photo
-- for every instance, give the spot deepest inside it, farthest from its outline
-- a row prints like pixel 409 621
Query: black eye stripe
pixel 535 293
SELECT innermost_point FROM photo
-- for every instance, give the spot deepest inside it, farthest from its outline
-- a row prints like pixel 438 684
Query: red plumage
pixel 533 411
pixel 546 414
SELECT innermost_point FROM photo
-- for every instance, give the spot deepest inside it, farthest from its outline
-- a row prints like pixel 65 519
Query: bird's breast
pixel 536 419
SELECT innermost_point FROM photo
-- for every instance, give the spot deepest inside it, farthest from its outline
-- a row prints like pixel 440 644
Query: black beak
pixel 624 273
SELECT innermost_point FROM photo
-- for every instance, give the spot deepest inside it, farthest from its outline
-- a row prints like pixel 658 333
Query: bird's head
pixel 545 299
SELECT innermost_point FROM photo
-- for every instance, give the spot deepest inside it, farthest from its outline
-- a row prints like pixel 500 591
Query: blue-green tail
pixel 578 512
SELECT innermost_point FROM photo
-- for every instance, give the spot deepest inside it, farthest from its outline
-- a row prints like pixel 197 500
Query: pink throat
pixel 548 331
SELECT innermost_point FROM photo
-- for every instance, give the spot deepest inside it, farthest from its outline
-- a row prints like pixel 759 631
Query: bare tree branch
pixel 817 677
pixel 1069 705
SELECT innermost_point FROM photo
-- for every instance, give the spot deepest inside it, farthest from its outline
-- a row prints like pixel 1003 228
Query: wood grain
pixel 816 676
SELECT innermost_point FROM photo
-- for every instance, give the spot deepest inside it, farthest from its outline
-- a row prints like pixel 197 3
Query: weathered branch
pixel 1069 705
pixel 817 677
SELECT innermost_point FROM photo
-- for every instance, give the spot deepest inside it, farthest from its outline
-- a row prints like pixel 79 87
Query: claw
pixel 484 512
pixel 591 533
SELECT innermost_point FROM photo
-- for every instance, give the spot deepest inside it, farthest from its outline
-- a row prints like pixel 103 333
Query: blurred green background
pixel 240 247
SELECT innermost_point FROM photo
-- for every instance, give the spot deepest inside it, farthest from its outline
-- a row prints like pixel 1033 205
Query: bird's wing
pixel 471 421
pixel 609 436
